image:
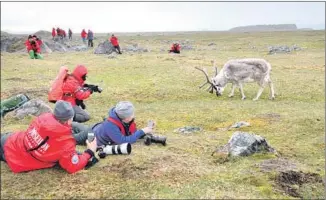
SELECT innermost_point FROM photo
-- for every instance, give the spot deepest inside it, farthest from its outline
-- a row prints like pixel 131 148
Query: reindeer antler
pixel 207 80
pixel 214 65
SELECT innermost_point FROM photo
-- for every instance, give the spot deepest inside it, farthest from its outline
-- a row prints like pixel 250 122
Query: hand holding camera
pixel 93 88
pixel 150 138
pixel 91 142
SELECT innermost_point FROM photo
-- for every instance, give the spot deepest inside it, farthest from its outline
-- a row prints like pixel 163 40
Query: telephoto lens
pixel 149 139
pixel 99 89
pixel 124 148
pixel 158 139
pixel 101 153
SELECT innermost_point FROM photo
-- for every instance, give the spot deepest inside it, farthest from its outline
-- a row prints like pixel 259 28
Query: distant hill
pixel 261 28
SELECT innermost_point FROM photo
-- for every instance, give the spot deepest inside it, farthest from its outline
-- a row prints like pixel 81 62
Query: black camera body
pixel 150 138
pixel 94 88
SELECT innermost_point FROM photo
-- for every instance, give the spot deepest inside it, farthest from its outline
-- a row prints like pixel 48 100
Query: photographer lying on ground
pixel 119 128
pixel 46 142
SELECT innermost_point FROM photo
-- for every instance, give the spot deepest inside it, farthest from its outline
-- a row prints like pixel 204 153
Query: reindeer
pixel 238 72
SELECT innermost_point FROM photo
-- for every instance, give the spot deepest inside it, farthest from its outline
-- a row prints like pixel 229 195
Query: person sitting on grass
pixel 47 141
pixel 33 48
pixel 175 48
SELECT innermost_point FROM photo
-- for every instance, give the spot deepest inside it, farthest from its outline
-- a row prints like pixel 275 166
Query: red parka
pixel 58 148
pixel 35 47
pixel 83 34
pixel 175 47
pixel 114 41
pixel 53 32
pixel 73 86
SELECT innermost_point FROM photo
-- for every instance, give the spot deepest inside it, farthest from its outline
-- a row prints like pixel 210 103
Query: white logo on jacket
pixel 74 159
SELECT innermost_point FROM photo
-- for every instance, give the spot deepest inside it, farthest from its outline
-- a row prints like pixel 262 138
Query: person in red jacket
pixel 53 33
pixel 47 141
pixel 115 43
pixel 75 91
pixel 175 48
pixel 33 48
pixel 84 35
pixel 38 40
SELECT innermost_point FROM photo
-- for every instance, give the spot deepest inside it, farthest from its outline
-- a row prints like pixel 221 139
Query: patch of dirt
pixel 16 79
pixel 278 164
pixel 271 117
pixel 152 168
pixel 31 93
pixel 289 181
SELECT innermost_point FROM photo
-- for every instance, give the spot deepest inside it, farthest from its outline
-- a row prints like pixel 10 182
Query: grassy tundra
pixel 164 88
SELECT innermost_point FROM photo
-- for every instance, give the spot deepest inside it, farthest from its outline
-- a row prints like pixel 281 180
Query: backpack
pixel 55 92
pixel 13 103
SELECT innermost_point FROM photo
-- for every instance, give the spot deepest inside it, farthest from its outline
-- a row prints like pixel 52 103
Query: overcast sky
pixel 156 16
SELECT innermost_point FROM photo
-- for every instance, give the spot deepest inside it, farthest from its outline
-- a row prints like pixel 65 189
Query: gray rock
pixel 135 48
pixel 240 124
pixel 211 44
pixel 186 47
pixel 79 48
pixel 45 48
pixel 282 49
pixel 245 144
pixel 113 55
pixel 188 129
pixel 104 48
pixel 33 107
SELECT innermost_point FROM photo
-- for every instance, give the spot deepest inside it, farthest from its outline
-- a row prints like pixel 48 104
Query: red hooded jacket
pixel 73 86
pixel 53 32
pixel 114 41
pixel 83 34
pixel 58 148
pixel 175 47
pixel 35 47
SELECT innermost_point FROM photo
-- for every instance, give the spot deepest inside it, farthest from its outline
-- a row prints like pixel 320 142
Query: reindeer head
pixel 214 81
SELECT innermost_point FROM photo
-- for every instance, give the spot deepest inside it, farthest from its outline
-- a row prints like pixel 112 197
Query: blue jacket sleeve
pixel 117 137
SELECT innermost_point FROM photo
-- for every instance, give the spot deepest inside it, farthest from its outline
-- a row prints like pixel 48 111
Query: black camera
pixel 149 139
pixel 99 89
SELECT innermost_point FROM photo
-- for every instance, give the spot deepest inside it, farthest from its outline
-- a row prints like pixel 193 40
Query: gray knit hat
pixel 63 110
pixel 124 109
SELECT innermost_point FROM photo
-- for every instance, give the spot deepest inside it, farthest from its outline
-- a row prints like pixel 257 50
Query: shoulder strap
pixel 122 129
pixel 38 146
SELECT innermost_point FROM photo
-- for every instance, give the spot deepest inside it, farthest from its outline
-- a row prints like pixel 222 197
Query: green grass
pixel 164 87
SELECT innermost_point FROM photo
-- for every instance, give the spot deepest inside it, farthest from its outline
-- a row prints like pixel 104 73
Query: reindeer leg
pixel 271 87
pixel 242 93
pixel 261 89
pixel 232 90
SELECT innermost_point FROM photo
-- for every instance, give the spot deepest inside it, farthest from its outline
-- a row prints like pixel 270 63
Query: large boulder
pixel 104 48
pixel 56 46
pixel 11 43
pixel 43 34
pixel 245 144
pixel 135 48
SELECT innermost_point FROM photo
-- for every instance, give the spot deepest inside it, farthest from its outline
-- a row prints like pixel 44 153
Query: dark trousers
pixel 117 48
pixel 90 43
pixel 70 37
pixel 80 115
pixel 80 132
pixel 4 137
pixel 174 51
